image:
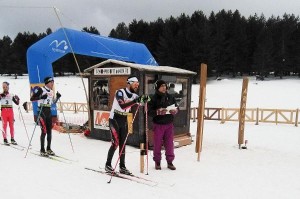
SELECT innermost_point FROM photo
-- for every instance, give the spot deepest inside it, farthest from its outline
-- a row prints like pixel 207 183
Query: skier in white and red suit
pixel 7 113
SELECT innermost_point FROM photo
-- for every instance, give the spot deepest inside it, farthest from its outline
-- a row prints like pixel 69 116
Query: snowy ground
pixel 269 168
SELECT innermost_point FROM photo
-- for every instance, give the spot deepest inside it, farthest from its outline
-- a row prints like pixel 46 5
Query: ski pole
pixel 2 132
pixel 23 122
pixel 123 147
pixel 67 128
pixel 37 121
pixel 137 109
pixel 118 158
pixel 147 139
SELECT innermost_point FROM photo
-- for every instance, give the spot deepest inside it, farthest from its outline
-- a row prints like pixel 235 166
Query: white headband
pixel 132 79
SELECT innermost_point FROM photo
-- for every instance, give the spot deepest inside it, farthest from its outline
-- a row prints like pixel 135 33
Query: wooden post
pixel 61 107
pixel 222 119
pixel 276 116
pixel 129 123
pixel 257 116
pixel 242 113
pixel 75 107
pixel 142 163
pixel 201 107
pixel 194 114
pixel 296 120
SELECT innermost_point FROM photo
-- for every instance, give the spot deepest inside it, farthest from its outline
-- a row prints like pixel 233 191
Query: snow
pixel 269 168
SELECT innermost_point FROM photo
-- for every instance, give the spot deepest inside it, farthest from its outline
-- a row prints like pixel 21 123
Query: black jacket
pixel 161 100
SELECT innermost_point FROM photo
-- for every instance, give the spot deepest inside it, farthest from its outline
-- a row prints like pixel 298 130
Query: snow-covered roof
pixel 141 67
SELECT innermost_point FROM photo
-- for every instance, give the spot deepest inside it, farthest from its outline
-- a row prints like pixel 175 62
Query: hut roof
pixel 141 67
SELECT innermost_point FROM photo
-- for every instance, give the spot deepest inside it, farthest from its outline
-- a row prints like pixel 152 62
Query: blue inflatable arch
pixel 43 53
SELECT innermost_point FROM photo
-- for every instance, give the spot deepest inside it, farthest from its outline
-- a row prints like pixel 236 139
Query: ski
pixel 132 175
pixel 126 177
pixel 51 157
pixel 56 156
pixel 14 146
pixel 67 159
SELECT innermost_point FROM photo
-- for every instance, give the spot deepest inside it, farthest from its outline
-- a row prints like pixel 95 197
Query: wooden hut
pixel 108 76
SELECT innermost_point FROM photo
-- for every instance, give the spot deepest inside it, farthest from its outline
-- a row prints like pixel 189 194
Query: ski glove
pixel 146 98
pixel 58 95
pixel 16 99
pixel 44 96
pixel 142 99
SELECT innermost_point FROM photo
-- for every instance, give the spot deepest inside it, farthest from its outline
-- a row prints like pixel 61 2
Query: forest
pixel 227 42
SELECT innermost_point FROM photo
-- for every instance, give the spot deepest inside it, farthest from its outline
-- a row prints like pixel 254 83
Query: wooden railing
pixel 257 115
pixel 66 106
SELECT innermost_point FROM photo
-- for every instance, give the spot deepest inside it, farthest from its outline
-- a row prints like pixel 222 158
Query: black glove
pixel 44 96
pixel 58 95
pixel 142 99
pixel 146 98
pixel 16 99
pixel 139 99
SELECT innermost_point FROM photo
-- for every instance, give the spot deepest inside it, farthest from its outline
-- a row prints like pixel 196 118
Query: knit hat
pixel 48 79
pixel 158 84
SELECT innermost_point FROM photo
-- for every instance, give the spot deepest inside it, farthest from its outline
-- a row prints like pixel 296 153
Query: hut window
pixel 100 94
pixel 179 90
pixel 149 86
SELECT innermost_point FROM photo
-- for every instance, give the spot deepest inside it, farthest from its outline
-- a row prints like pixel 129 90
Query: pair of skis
pixel 15 146
pixel 54 157
pixel 37 153
pixel 133 178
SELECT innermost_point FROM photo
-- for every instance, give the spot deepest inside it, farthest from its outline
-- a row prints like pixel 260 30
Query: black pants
pixel 45 122
pixel 119 129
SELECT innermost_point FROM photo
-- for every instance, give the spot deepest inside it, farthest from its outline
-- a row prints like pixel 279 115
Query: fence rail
pixel 257 115
pixel 66 106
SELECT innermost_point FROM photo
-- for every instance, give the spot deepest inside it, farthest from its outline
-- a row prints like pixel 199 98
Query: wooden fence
pixel 66 106
pixel 257 115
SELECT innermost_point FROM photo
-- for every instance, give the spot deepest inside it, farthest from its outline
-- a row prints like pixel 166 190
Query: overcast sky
pixel 37 15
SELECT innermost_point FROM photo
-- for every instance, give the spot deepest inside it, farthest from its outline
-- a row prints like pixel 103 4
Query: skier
pixel 7 113
pixel 45 97
pixel 124 99
pixel 162 123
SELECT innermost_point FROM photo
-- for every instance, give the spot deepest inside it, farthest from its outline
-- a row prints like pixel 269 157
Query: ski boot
pixel 108 168
pixel 50 152
pixel 6 142
pixel 124 170
pixel 157 166
pixel 13 141
pixel 43 153
pixel 171 166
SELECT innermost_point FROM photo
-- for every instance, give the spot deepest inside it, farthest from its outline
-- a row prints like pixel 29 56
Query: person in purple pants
pixel 163 128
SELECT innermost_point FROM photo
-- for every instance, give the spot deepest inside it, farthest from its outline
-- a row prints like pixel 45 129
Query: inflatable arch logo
pixel 59 47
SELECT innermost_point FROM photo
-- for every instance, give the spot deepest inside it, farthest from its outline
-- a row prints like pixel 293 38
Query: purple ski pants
pixel 163 134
